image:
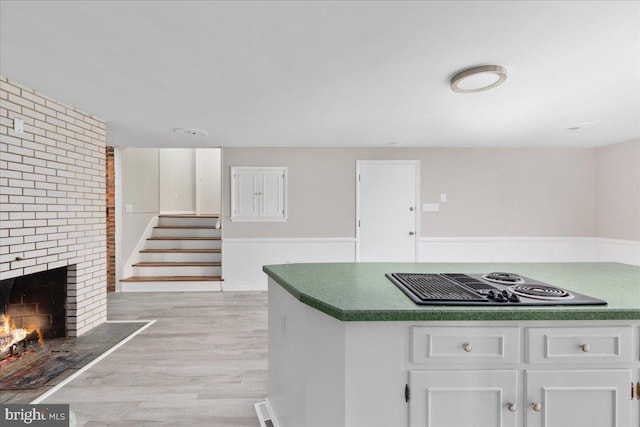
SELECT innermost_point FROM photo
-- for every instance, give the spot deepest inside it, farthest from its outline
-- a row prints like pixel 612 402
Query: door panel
pixel 387 229
pixel 463 398
pixel 594 398
pixel 272 197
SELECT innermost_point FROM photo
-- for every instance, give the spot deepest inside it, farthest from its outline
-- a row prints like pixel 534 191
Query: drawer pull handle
pixel 467 347
pixel 512 407
pixel 537 407
pixel 585 348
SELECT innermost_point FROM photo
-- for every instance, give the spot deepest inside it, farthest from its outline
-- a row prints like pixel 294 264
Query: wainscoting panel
pixel 243 258
pixel 624 251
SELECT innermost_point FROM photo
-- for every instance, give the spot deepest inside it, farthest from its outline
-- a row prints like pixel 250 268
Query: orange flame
pixel 10 335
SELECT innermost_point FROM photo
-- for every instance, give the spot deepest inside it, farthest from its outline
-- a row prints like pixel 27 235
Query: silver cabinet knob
pixel 512 407
pixel 585 348
pixel 537 407
pixel 411 233
pixel 467 347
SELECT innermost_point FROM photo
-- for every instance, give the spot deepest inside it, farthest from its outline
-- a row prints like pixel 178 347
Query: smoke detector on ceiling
pixel 190 131
pixel 577 127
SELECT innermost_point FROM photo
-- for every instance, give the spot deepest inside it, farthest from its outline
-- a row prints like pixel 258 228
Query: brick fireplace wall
pixel 53 198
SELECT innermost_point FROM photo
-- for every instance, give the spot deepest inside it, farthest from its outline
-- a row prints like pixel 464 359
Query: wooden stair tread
pixel 191 251
pixel 184 238
pixel 177 264
pixel 189 216
pixel 187 227
pixel 173 279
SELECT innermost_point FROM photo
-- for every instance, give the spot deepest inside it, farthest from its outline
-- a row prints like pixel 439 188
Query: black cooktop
pixel 504 289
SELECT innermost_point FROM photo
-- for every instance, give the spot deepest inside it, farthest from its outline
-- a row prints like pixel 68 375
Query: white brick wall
pixel 53 198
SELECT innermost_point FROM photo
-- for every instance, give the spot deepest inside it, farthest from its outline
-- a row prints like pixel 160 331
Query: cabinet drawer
pixel 458 344
pixel 579 345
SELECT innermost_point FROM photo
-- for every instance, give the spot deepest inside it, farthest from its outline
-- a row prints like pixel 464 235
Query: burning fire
pixel 9 334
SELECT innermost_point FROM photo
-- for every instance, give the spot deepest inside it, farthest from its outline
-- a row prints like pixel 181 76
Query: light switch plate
pixel 18 125
pixel 431 207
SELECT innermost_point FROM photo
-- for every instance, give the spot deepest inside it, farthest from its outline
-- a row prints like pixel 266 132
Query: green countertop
pixel 361 292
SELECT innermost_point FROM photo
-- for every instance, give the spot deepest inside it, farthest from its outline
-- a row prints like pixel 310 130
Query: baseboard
pixel 243 258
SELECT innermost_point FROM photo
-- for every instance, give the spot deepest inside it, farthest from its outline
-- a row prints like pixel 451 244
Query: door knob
pixel 411 233
pixel 411 208
pixel 512 407
pixel 537 407
pixel 585 348
pixel 467 347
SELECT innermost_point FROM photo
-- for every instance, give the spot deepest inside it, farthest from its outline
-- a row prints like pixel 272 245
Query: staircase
pixel 184 253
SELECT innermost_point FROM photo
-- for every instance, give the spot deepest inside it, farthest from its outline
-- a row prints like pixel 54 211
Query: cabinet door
pixel 258 193
pixel 594 398
pixel 245 192
pixel 463 398
pixel 272 195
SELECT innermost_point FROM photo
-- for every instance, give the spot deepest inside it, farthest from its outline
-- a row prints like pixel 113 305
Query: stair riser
pixel 186 232
pixel 170 286
pixel 171 222
pixel 183 244
pixel 179 257
pixel 177 271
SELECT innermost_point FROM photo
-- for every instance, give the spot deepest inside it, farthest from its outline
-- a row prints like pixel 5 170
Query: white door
pixel 386 207
pixel 463 398
pixel 594 398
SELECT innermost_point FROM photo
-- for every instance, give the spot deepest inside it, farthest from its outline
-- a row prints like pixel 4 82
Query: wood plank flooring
pixel 203 363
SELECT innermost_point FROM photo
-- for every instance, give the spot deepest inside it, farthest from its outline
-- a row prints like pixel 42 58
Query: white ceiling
pixel 333 73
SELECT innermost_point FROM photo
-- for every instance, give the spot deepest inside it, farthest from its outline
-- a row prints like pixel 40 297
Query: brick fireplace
pixel 53 199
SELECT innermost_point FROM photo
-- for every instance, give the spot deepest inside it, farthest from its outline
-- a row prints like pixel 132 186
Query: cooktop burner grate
pixel 429 287
pixel 504 278
pixel 476 290
pixel 541 292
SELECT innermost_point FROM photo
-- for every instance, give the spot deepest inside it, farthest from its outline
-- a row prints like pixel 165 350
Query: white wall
pixel 177 180
pixel 618 191
pixel 209 180
pixel 491 192
pixel 504 205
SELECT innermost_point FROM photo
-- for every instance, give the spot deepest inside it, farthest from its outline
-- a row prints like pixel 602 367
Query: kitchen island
pixel 348 348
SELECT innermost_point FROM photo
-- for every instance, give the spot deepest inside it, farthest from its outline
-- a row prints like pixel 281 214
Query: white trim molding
pixel 244 257
pixel 616 250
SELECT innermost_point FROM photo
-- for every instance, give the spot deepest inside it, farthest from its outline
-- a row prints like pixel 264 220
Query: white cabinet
pixel 452 345
pixel 580 398
pixel 462 398
pixel 578 345
pixel 574 376
pixel 258 193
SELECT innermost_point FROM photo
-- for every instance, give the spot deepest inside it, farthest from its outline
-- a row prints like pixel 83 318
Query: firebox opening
pixel 36 303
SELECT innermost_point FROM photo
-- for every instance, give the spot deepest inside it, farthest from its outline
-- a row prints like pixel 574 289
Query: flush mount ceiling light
pixel 477 79
pixel 190 131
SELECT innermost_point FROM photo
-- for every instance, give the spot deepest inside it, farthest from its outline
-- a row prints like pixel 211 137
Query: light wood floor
pixel 203 363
